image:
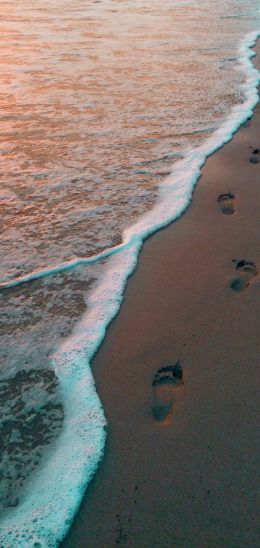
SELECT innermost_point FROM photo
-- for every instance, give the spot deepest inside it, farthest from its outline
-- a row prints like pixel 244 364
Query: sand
pixel 190 480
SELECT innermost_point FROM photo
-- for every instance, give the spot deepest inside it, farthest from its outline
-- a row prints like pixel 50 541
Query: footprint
pixel 226 202
pixel 247 270
pixel 255 158
pixel 165 382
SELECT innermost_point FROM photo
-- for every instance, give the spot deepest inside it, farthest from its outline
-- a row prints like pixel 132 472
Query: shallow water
pixel 98 99
pixel 99 102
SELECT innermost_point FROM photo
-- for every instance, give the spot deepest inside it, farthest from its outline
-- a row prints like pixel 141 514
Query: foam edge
pixel 53 495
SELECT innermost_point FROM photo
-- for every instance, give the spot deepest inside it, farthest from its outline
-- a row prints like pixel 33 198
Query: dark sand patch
pixel 31 417
pixel 255 159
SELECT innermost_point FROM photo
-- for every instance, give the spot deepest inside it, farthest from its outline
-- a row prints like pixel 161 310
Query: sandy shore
pixel 190 480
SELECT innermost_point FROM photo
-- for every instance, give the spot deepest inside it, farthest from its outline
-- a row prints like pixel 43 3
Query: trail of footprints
pixel 169 379
pixel 246 269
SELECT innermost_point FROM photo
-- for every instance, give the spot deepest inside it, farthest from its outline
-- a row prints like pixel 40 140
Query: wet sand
pixel 190 480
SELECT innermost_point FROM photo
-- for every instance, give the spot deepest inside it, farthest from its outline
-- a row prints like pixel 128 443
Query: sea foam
pixel 52 496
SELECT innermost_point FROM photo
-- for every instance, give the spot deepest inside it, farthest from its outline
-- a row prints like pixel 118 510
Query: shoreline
pixel 166 316
pixel 213 144
pixel 72 367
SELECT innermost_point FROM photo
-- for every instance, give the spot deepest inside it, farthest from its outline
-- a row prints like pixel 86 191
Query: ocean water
pixel 108 111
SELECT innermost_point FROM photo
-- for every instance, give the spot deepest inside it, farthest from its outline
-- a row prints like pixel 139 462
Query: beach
pixel 191 479
pixel 128 349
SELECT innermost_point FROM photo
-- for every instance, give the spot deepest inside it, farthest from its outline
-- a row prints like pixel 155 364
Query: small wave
pixel 53 495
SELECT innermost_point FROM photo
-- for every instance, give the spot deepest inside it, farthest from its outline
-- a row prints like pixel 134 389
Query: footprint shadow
pixel 226 202
pixel 247 270
pixel 165 382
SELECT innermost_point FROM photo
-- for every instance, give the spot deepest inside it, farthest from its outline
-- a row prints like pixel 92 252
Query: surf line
pixel 63 267
pixel 51 501
pixel 187 169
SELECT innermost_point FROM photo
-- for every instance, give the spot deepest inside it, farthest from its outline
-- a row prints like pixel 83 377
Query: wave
pixel 53 495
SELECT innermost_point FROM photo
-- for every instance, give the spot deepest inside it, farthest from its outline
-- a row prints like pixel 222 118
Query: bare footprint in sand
pixel 226 202
pixel 165 382
pixel 247 270
pixel 255 158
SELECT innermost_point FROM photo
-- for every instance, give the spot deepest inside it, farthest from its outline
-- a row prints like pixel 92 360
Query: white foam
pixel 53 495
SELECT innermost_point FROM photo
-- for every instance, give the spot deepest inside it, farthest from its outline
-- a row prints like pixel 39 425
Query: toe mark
pixel 246 266
pixel 169 374
pixel 226 196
